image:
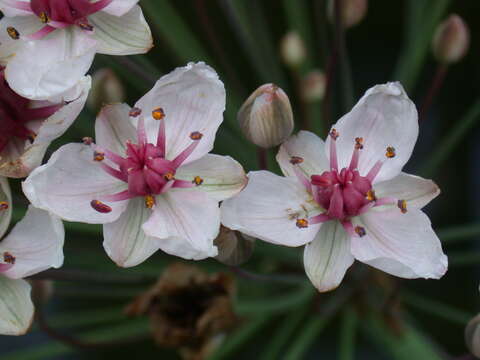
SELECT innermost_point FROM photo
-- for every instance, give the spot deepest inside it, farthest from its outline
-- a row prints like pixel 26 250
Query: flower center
pixel 58 14
pixel 15 114
pixel 344 193
pixel 144 168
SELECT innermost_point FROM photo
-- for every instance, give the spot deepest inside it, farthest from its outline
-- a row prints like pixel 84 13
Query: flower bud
pixel 451 40
pixel 42 291
pixel 351 11
pixel 292 49
pixel 313 86
pixel 106 89
pixel 234 248
pixel 266 117
pixel 472 336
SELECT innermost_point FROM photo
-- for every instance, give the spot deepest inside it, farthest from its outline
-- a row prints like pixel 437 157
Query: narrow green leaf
pixel 418 44
pixel 237 339
pixel 458 233
pixel 348 329
pixel 284 333
pixel 452 139
pixel 304 339
pixel 435 308
pixel 410 344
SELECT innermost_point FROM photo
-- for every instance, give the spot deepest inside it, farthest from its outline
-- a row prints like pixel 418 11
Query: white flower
pixel 34 245
pixel 347 198
pixel 48 45
pixel 27 127
pixel 148 178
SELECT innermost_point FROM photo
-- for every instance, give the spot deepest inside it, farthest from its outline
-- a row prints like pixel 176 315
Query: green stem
pixel 304 339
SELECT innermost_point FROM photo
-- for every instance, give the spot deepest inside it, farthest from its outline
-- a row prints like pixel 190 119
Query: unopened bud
pixel 451 40
pixel 106 89
pixel 234 248
pixel 42 291
pixel 266 117
pixel 352 12
pixel 292 49
pixel 472 336
pixel 313 86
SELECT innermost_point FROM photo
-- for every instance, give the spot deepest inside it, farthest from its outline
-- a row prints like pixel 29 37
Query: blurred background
pixel 279 315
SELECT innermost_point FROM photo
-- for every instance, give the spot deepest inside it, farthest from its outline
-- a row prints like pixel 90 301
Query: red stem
pixel 435 86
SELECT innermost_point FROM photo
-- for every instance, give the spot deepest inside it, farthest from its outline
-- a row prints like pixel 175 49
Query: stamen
pixel 87 140
pixel 321 218
pixel 359 143
pixel 149 201
pixel 360 231
pixel 98 155
pixel 197 180
pixel 402 205
pixel 196 135
pixel 158 114
pixel 184 154
pixel 114 172
pixel 134 112
pixel 386 201
pixel 13 33
pixel 44 17
pixel 371 195
pixel 4 205
pixel 303 179
pixel 390 152
pixel 85 26
pixel 8 258
pixel 374 171
pixel 333 150
pixel 295 160
pixel 302 223
pixel 169 176
pixel 100 206
pixel 348 226
pixel 141 134
pixel 31 137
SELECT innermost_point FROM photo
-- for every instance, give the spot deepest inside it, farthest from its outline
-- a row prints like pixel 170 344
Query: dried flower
pixel 188 309
pixel 234 248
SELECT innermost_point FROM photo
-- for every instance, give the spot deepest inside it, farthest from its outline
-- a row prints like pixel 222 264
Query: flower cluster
pixel 149 178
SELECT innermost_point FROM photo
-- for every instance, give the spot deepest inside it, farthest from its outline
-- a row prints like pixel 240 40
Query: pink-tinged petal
pixel 328 256
pixel 306 151
pixel 220 177
pixel 5 205
pixel 68 183
pixel 24 25
pixel 19 158
pixel 16 307
pixel 193 99
pixel 120 7
pixel 384 117
pixel 56 125
pixel 43 69
pixel 403 245
pixel 113 128
pixel 36 243
pixel 185 223
pixel 125 35
pixel 416 191
pixel 124 240
pixel 269 207
pixel 11 8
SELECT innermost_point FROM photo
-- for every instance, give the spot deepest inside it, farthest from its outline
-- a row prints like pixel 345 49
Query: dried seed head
pixel 266 117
